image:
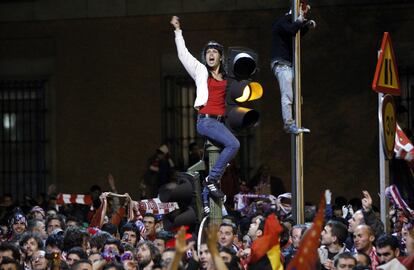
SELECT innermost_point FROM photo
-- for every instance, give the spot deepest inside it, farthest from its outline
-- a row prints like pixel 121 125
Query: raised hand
pixel 212 239
pixel 111 182
pixel 328 196
pixel 180 244
pixel 366 201
pixel 175 21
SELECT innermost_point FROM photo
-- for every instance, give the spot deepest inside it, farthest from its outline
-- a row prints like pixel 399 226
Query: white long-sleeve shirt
pixel 195 69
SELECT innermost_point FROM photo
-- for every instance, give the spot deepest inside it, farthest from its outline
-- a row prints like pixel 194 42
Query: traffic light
pixel 183 192
pixel 242 66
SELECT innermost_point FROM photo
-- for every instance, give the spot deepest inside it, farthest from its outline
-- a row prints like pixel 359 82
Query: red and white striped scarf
pixel 63 198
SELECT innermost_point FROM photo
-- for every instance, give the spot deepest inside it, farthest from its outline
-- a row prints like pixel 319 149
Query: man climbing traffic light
pixel 283 32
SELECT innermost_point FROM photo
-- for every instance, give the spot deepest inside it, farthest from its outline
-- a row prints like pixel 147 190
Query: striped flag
pixel 395 197
pixel 403 147
pixel 307 255
pixel 265 251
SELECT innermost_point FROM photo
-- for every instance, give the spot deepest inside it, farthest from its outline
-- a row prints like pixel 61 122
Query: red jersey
pixel 216 97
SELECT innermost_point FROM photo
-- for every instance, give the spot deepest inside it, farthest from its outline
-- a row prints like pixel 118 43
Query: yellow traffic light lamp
pixel 242 66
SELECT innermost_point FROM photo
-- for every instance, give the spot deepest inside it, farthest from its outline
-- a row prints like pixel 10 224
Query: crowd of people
pixel 47 236
pixel 113 232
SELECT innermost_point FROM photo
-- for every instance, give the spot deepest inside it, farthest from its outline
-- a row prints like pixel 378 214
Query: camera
pixel 52 255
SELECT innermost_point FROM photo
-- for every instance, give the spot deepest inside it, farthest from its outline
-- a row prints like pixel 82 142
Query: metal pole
pixel 383 172
pixel 215 204
pixel 297 140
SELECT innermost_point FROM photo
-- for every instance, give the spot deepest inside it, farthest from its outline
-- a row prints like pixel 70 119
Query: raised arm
pixel 190 63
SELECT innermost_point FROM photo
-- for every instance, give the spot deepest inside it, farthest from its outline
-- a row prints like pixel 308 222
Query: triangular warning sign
pixel 386 78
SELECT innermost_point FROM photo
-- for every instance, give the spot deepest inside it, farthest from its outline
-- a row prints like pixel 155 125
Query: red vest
pixel 216 97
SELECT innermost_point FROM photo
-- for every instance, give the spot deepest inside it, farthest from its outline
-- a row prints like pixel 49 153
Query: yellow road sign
pixel 388 124
pixel 386 78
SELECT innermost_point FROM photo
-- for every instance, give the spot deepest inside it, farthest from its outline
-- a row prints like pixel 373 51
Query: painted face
pixel 212 57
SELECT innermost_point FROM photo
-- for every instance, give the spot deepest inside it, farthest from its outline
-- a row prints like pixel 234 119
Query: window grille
pixel 405 105
pixel 179 128
pixel 23 167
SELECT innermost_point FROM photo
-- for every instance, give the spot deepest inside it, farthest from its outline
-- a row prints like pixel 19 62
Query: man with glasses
pixel 39 260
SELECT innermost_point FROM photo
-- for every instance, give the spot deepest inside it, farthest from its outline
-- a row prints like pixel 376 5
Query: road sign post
pixel 386 81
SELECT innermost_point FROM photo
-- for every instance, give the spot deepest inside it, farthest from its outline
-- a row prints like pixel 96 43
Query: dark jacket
pixel 283 31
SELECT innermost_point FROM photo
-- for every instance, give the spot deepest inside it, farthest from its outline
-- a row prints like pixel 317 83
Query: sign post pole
pixel 386 81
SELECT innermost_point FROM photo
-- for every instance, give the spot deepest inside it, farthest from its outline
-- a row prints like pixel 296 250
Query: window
pixel 23 141
pixel 179 128
pixel 405 105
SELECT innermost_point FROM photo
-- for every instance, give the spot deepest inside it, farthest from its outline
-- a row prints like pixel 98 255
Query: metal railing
pixel 23 168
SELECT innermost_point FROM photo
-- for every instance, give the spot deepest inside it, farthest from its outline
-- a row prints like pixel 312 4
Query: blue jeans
pixel 218 132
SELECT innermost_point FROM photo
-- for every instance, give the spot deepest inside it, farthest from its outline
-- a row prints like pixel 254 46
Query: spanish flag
pixel 307 255
pixel 265 251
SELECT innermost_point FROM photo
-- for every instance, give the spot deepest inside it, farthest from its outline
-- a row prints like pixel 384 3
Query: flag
pixel 307 255
pixel 403 147
pixel 265 251
pixel 396 199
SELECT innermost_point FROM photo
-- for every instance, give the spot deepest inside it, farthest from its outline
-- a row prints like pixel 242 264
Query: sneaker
pixel 206 210
pixel 206 201
pixel 293 129
pixel 213 189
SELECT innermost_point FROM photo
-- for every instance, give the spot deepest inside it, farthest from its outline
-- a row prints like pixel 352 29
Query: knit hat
pixel 38 209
